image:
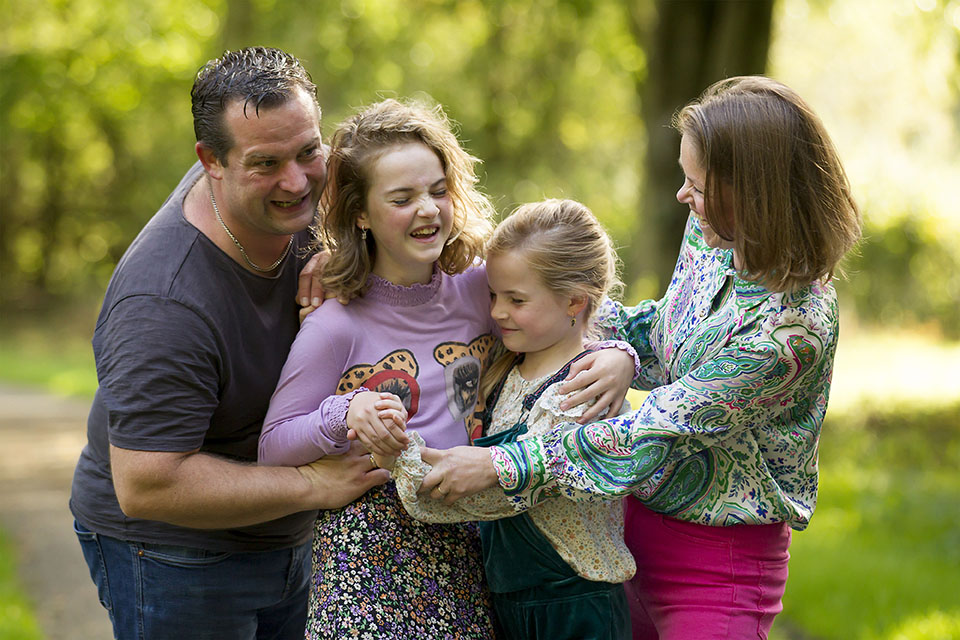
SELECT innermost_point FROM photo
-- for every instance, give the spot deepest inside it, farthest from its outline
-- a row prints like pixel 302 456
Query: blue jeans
pixel 161 592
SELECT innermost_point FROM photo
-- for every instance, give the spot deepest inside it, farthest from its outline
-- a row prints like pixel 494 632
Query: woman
pixel 720 460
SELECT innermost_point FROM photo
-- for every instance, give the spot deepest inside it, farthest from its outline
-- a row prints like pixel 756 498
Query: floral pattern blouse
pixel 587 535
pixel 739 379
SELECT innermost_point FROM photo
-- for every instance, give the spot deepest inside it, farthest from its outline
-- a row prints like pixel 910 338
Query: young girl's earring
pixel 363 233
pixel 573 321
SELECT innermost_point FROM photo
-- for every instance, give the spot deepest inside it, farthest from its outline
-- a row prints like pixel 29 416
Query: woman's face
pixel 692 192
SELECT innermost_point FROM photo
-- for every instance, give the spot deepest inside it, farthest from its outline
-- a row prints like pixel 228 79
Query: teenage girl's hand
pixel 378 420
pixel 605 375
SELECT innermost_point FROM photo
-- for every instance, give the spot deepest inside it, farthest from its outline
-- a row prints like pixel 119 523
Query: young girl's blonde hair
pixel 568 249
pixel 775 184
pixel 356 145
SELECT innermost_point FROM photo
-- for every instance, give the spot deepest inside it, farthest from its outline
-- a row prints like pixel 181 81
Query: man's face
pixel 275 169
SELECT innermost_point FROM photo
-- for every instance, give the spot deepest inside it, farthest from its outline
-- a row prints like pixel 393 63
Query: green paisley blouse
pixel 739 378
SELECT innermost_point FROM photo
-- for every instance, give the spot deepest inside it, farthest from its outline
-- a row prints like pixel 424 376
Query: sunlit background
pixel 96 130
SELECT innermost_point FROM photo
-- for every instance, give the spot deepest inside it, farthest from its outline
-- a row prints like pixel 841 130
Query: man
pixel 185 536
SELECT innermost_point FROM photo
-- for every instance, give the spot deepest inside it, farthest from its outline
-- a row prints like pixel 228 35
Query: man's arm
pixel 202 491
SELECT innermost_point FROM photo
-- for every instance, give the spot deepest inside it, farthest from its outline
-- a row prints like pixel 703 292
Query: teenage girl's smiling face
pixel 692 192
pixel 408 212
pixel 532 318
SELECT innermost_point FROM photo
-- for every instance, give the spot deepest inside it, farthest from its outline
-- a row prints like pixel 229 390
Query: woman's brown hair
pixel 774 181
pixel 355 147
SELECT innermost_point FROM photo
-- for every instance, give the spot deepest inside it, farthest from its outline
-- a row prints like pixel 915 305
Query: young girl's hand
pixel 378 420
pixel 383 462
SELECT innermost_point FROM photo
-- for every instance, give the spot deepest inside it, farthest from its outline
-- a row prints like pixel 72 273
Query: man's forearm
pixel 207 492
pixel 203 491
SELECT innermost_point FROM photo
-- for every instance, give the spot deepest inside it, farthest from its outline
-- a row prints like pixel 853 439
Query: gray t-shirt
pixel 189 347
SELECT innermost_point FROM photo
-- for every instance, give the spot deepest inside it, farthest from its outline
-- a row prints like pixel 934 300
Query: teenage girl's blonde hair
pixel 356 145
pixel 567 248
pixel 774 181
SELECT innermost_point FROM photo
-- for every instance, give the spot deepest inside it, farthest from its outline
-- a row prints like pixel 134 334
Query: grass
pixel 17 621
pixel 881 558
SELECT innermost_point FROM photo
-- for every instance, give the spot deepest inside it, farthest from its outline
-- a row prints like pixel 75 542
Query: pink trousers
pixel 695 582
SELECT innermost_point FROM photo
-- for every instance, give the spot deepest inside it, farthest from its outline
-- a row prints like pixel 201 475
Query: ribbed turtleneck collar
pixel 395 295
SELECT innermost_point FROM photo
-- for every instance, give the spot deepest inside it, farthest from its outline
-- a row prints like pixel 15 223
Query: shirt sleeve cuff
pixel 335 413
pixel 523 470
pixel 623 346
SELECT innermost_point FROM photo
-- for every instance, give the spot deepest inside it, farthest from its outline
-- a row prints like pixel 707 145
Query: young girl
pixel 555 571
pixel 404 223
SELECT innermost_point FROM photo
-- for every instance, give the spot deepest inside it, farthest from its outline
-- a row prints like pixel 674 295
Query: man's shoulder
pixel 155 260
pixel 158 252
pixel 167 261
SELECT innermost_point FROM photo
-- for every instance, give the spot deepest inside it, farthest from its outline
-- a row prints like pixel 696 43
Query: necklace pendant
pixel 243 252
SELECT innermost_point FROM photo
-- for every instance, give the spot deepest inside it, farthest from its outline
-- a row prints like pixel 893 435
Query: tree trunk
pixel 689 44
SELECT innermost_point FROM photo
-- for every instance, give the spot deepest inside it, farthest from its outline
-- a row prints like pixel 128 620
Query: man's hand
pixel 378 420
pixel 605 375
pixel 457 472
pixel 336 481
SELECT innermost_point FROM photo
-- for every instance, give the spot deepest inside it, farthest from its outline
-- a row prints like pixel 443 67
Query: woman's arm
pixel 633 326
pixel 747 384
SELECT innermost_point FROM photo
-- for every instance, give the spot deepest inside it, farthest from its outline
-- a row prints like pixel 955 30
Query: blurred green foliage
pixel 885 79
pixel 96 116
pixel 906 272
pixel 95 120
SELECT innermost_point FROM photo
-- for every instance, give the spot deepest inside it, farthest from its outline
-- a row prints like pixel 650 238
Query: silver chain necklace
pixel 243 252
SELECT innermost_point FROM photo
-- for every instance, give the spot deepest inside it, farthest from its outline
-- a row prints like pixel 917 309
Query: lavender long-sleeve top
pixel 425 343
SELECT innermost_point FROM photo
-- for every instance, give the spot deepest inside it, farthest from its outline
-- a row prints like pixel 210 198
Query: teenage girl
pixel 556 571
pixel 404 222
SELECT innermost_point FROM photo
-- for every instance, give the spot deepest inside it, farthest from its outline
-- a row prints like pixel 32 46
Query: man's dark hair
pixel 257 76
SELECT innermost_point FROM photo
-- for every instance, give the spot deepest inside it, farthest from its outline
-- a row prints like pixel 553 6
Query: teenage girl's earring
pixel 573 321
pixel 363 233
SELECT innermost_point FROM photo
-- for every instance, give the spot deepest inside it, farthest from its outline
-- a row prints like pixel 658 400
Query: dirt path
pixel 40 439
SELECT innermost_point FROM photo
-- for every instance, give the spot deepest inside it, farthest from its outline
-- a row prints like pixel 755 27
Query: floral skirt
pixel 378 573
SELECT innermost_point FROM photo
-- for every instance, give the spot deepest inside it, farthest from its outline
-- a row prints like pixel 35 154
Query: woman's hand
pixel 605 375
pixel 378 420
pixel 457 472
